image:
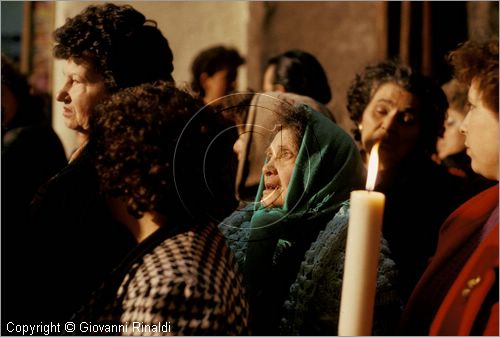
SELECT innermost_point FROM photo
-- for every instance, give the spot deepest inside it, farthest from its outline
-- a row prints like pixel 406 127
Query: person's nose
pixel 269 169
pixel 238 145
pixel 63 95
pixel 464 124
pixel 389 123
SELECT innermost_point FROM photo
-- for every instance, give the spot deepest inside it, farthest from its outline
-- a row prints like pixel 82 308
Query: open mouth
pixel 272 186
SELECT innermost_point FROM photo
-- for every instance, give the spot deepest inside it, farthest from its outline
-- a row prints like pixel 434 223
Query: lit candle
pixel 361 257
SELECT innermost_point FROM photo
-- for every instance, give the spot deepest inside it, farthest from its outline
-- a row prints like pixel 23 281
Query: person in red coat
pixel 458 293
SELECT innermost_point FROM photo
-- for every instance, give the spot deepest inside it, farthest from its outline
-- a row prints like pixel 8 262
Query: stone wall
pixel 344 36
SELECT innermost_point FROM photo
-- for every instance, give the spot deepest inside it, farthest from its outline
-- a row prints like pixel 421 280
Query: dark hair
pixel 300 72
pixel 29 107
pixel 151 145
pixel 478 60
pixel 235 107
pixel 432 100
pixel 119 43
pixel 212 60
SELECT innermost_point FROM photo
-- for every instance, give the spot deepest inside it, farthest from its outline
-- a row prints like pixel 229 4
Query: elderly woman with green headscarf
pixel 311 167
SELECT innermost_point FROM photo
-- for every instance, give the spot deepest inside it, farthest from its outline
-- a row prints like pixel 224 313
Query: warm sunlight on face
pixel 82 90
pixel 278 169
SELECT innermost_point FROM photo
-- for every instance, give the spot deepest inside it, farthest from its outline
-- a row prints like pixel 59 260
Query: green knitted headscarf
pixel 328 167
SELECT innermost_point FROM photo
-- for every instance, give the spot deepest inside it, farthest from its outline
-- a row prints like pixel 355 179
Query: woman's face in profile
pixel 480 128
pixel 278 169
pixel 453 141
pixel 392 117
pixel 239 145
pixel 82 90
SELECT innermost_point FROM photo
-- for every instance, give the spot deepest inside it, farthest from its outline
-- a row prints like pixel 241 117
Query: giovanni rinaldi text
pixel 88 327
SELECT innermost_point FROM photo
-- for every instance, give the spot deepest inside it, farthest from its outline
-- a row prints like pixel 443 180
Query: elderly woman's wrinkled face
pixel 392 117
pixel 82 90
pixel 278 169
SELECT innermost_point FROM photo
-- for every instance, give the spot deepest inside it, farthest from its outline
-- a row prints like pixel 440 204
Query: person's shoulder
pixel 190 272
pixel 194 243
pixel 78 180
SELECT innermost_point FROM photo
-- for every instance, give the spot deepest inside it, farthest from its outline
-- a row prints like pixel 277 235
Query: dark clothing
pixel 184 280
pixel 419 197
pixel 73 244
pixel 31 155
pixel 471 183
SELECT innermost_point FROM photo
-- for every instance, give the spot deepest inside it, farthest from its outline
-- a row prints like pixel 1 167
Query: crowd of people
pixel 205 211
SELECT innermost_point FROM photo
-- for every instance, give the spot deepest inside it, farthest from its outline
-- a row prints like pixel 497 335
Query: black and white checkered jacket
pixel 182 280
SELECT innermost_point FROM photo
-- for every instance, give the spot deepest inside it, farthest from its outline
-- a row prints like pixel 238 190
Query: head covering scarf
pixel 260 120
pixel 327 168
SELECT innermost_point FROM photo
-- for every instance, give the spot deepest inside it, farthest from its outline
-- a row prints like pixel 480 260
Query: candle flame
pixel 372 168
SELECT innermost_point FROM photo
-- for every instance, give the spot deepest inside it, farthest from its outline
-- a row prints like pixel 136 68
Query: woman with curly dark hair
pixel 405 111
pixel 150 144
pixel 105 48
pixel 458 293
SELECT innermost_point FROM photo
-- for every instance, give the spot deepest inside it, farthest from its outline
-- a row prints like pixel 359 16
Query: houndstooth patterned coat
pixel 177 282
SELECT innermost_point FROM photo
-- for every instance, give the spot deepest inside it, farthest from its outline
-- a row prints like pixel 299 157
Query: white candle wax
pixel 361 263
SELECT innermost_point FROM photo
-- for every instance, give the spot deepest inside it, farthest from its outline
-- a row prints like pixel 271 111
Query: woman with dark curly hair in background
pixel 149 144
pixel 405 111
pixel 71 242
pixel 458 293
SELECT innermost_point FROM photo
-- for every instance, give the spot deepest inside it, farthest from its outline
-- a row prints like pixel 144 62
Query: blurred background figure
pixel 453 141
pixel 214 72
pixel 405 111
pixel 451 150
pixel 31 154
pixel 31 151
pixel 299 72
